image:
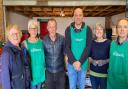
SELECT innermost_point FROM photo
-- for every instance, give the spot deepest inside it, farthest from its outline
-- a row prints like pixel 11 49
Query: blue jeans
pixel 38 86
pixel 98 82
pixel 76 77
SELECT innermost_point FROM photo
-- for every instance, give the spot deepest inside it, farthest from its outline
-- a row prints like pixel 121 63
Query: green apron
pixel 78 40
pixel 36 53
pixel 118 66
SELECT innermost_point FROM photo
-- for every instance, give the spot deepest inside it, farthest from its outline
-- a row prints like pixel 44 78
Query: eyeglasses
pixel 122 27
pixel 33 28
pixel 15 34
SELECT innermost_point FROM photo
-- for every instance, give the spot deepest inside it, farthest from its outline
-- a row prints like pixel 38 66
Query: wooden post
pixel 1 21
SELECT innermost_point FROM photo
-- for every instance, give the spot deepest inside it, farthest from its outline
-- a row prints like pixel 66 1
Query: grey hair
pixel 101 26
pixel 33 22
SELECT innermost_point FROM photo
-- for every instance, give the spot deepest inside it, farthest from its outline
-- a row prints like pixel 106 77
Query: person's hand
pixel 77 65
pixel 66 59
pixel 97 62
pixel 90 59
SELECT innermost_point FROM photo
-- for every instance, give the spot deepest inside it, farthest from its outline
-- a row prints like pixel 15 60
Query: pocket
pixel 49 46
pixel 27 73
pixel 17 81
pixel 69 66
pixel 70 69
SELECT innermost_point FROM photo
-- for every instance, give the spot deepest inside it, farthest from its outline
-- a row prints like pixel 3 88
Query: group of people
pixel 29 64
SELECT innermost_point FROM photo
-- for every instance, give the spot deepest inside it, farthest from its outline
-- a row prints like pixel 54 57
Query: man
pixel 54 55
pixel 78 38
pixel 118 64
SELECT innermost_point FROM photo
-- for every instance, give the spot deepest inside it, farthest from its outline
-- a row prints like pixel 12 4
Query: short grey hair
pixel 33 22
pixel 9 28
pixel 101 26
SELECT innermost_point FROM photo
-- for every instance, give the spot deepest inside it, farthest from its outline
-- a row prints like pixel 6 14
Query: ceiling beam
pixel 102 10
pixel 94 8
pixel 68 11
pixel 62 2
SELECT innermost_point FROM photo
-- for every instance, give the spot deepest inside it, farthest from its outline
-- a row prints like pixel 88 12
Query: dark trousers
pixel 55 80
pixel 98 82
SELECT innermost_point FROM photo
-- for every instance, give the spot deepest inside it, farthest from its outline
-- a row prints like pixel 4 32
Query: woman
pixel 99 58
pixel 15 68
pixel 118 65
pixel 36 53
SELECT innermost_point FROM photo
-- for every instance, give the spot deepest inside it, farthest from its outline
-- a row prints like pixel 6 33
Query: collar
pixel 15 48
pixel 55 39
pixel 77 30
pixel 117 41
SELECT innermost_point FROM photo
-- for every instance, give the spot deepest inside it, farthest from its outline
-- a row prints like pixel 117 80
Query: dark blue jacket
pixel 14 65
pixel 54 53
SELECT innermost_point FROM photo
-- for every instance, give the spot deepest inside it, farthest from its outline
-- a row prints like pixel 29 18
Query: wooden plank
pixel 101 11
pixel 1 21
pixel 88 10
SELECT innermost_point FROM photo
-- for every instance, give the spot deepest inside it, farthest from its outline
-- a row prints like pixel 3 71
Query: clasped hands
pixel 77 65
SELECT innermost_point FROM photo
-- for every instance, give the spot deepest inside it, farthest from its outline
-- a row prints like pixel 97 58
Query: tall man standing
pixel 54 55
pixel 78 38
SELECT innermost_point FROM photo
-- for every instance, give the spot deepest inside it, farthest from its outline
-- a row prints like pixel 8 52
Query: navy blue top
pixel 14 64
pixel 100 50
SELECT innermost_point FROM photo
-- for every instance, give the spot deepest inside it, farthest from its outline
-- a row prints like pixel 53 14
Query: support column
pixel 110 28
pixel 1 21
pixel 108 22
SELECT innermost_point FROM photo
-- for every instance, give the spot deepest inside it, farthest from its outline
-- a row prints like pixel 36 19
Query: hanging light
pixel 62 13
